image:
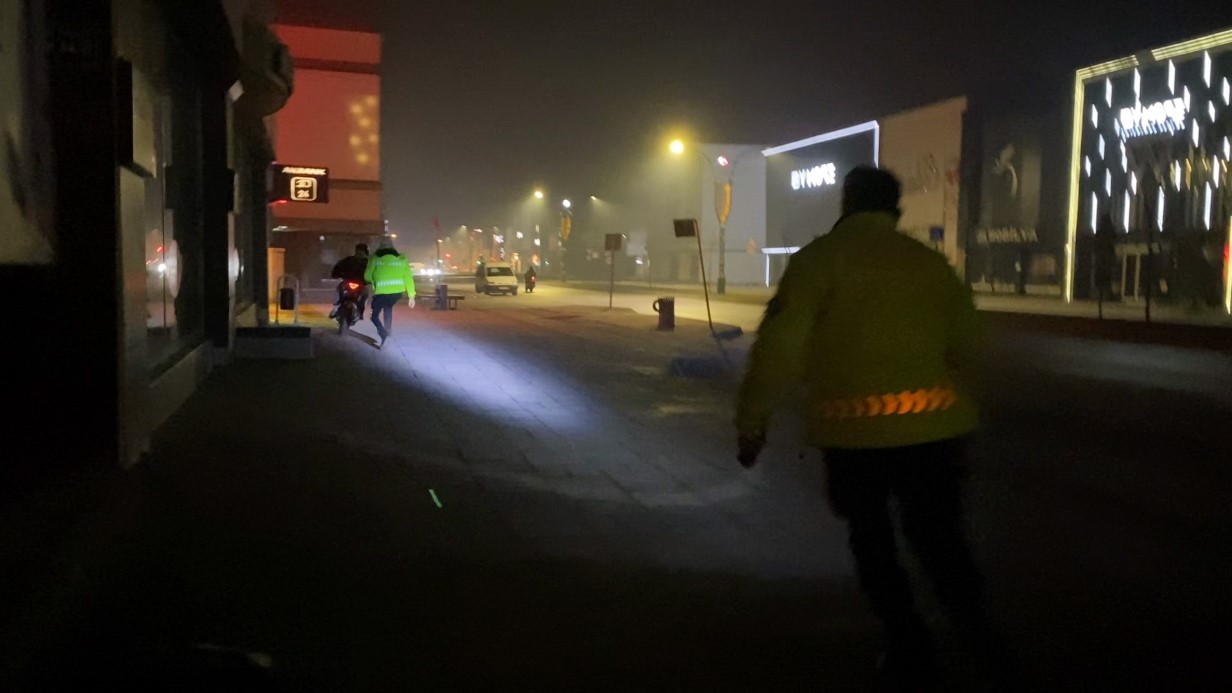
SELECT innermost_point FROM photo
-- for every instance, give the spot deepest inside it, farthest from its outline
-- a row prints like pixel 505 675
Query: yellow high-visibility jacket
pixel 878 330
pixel 390 273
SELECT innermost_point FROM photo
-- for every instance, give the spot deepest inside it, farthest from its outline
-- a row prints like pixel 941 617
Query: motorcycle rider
pixel 351 268
pixel 531 277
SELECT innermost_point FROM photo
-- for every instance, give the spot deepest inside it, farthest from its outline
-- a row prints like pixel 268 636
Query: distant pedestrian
pixel 880 333
pixel 389 273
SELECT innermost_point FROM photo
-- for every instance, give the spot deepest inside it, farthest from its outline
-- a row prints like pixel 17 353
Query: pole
pixel 611 277
pixel 721 285
pixel 701 259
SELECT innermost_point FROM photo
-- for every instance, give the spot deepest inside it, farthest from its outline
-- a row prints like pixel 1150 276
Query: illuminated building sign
pixel 308 184
pixel 803 191
pixel 815 177
pixel 1159 118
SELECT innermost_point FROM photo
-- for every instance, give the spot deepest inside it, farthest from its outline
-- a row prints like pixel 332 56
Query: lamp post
pixel 566 227
pixel 721 210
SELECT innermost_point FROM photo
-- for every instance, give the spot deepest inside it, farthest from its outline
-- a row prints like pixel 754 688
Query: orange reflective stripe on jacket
pixel 888 404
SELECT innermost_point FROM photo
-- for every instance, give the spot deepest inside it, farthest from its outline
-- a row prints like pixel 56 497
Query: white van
pixel 496 277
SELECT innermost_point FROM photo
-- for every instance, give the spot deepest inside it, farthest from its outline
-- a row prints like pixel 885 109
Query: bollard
pixel 442 297
pixel 665 306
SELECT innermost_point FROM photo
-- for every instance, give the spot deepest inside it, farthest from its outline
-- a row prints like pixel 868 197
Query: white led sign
pixel 815 177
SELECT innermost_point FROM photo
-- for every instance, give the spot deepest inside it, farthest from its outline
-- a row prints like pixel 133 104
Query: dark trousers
pixel 383 304
pixel 926 480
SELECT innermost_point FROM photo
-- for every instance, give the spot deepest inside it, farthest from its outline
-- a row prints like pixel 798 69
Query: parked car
pixel 497 277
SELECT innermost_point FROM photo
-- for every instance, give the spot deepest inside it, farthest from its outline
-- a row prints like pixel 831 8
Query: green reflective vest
pixel 878 332
pixel 390 274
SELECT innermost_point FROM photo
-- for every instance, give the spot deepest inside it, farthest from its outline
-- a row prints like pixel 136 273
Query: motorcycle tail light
pixel 352 286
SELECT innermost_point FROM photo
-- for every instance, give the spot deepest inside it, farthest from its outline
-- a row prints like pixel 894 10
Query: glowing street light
pixel 566 203
pixel 676 147
pixel 593 198
pixel 723 161
pixel 538 194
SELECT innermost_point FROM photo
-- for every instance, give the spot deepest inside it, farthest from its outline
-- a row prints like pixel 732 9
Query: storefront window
pixel 249 221
pixel 173 211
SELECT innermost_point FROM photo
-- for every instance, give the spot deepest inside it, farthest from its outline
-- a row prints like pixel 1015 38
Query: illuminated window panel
pixel 1159 209
pixel 1171 77
pixel 1125 215
pixel 1206 214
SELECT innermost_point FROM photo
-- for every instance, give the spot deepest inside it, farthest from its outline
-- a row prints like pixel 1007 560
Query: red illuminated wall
pixel 333 119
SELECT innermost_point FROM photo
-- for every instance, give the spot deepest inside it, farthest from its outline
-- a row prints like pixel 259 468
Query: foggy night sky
pixel 484 100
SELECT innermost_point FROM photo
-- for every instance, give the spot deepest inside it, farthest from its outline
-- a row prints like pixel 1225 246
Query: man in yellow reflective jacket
pixel 390 275
pixel 878 332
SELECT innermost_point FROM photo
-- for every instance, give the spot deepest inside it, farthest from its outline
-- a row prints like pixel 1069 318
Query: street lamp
pixel 538 194
pixel 721 212
pixel 566 203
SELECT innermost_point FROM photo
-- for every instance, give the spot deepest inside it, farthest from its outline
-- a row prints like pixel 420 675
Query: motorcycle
pixel 350 305
pixel 530 284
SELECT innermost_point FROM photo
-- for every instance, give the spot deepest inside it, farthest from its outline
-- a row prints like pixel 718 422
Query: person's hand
pixel 749 448
pixel 412 301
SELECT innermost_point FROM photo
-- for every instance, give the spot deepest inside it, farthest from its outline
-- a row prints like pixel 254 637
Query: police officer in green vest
pixel 390 275
pixel 878 333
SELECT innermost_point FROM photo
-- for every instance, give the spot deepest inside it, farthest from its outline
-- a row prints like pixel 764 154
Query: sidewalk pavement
pixel 593 528
pixel 526 494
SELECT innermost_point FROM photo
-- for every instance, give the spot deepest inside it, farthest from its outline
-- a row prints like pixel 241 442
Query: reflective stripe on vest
pixel 390 282
pixel 894 403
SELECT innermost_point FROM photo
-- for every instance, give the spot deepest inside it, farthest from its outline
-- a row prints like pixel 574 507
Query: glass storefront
pixel 1150 208
pixel 173 245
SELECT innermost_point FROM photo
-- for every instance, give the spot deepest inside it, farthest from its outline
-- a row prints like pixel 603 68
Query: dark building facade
pixel 136 186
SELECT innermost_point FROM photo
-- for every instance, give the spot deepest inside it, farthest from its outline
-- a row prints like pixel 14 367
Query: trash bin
pixel 442 297
pixel 286 298
pixel 665 306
